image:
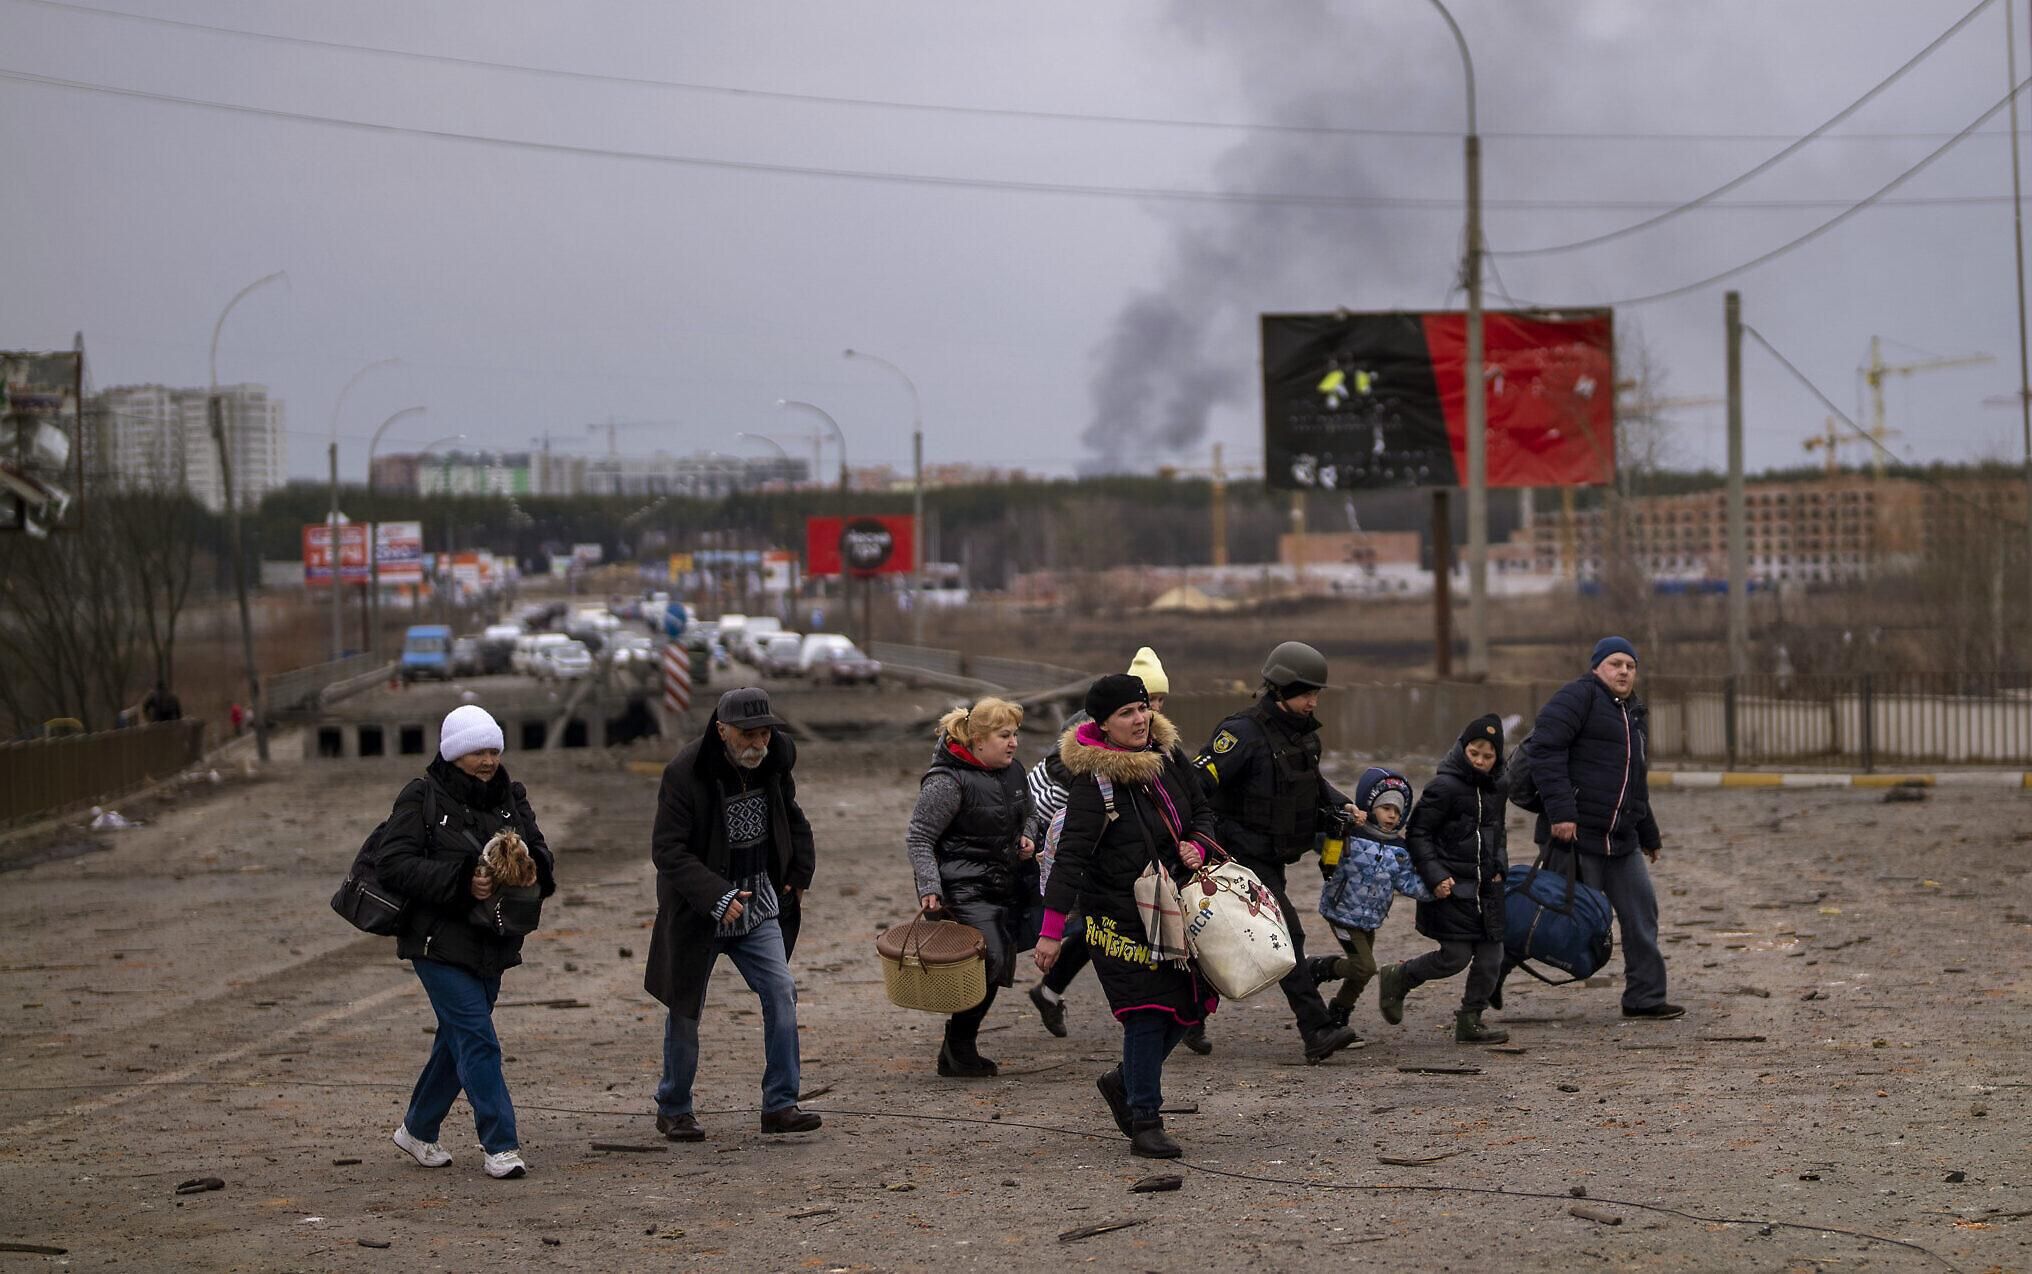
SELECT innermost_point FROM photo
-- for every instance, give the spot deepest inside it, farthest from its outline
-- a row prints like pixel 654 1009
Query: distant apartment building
pixel 1822 531
pixel 153 437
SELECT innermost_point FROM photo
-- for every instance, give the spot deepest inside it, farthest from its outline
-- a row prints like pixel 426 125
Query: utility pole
pixel 1220 509
pixel 1739 567
pixel 2018 245
pixel 215 409
pixel 332 553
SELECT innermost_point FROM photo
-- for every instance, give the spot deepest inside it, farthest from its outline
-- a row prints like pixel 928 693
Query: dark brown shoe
pixel 790 1119
pixel 679 1128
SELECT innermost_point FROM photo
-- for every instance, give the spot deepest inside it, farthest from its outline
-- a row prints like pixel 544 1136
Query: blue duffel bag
pixel 1553 918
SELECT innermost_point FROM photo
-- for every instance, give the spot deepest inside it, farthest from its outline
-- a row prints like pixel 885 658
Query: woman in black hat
pixel 1133 807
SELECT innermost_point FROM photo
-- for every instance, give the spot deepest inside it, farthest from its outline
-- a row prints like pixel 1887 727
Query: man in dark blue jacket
pixel 1588 760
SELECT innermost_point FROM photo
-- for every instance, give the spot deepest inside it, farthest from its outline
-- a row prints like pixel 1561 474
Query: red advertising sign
pixel 869 545
pixel 317 554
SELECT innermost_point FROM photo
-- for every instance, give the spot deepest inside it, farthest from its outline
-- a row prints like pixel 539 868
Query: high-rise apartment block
pixel 153 437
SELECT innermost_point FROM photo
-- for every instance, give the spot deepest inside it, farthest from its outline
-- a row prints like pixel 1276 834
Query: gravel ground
pixel 182 1004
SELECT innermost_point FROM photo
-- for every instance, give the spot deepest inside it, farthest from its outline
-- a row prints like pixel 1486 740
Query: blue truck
pixel 427 652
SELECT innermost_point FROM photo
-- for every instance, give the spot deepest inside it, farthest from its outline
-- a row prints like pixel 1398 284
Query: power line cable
pixel 1860 205
pixel 1149 121
pixel 1768 164
pixel 1167 193
pixel 1997 515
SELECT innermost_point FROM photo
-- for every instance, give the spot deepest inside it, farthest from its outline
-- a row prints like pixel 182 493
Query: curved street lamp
pixel 373 525
pixel 216 419
pixel 916 492
pixel 826 416
pixel 332 514
pixel 1477 389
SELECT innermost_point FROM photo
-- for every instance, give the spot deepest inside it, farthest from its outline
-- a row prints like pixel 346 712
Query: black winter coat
pixel 1100 858
pixel 1588 759
pixel 1457 830
pixel 689 847
pixel 980 846
pixel 434 869
pixel 1263 779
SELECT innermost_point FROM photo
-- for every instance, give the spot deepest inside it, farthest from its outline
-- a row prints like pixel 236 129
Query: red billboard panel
pixel 1354 401
pixel 317 554
pixel 870 545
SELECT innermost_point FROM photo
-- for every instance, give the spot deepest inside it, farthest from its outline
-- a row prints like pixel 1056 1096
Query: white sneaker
pixel 506 1164
pixel 427 1153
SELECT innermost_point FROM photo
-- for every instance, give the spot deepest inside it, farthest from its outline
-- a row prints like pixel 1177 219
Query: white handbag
pixel 1235 931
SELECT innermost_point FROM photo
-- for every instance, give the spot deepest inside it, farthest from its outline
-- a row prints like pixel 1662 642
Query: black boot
pixel 1323 969
pixel 1117 1097
pixel 1147 1140
pixel 1052 1011
pixel 1337 1014
pixel 1196 1040
pixel 1328 1040
pixel 958 1060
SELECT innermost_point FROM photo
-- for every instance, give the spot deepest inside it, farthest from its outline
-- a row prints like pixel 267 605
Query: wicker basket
pixel 936 966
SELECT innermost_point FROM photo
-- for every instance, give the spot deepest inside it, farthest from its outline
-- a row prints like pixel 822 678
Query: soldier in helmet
pixel 1262 770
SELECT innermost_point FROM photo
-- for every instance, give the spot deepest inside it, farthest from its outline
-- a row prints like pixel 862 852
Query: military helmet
pixel 1294 663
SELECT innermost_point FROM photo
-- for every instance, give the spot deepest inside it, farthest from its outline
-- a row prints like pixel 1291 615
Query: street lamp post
pixel 781 450
pixel 444 604
pixel 916 493
pixel 214 410
pixel 846 580
pixel 332 515
pixel 373 532
pixel 1477 389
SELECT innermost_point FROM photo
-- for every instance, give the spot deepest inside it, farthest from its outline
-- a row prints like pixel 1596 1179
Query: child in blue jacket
pixel 1374 867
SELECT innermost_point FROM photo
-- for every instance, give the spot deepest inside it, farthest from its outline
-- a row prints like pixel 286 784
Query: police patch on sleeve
pixel 1225 741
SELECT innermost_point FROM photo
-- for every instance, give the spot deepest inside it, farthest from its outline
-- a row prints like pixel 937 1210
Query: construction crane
pixel 1835 438
pixel 612 426
pixel 1217 476
pixel 1877 369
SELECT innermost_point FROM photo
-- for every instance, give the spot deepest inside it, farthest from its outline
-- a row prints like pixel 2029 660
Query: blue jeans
pixel 1147 1039
pixel 758 954
pixel 466 1055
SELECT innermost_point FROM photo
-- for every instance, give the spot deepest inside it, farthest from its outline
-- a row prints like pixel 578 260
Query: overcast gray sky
pixel 532 290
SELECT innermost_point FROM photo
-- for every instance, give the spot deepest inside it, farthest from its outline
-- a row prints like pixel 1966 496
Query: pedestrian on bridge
pixel 971 857
pixel 734 855
pixel 430 855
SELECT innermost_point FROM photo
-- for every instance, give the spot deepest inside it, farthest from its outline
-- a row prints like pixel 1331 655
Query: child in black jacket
pixel 1456 838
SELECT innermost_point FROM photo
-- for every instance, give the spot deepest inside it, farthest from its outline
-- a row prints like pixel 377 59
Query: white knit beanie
pixel 467 728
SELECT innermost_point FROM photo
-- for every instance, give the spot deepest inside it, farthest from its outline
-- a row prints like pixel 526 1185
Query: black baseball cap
pixel 746 708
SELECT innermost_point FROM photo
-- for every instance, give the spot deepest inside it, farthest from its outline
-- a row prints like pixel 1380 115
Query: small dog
pixel 507 860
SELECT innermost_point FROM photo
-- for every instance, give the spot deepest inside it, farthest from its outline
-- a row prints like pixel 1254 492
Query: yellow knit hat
pixel 1145 665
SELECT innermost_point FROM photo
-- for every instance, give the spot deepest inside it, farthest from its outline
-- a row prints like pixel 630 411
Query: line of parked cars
pixel 763 643
pixel 547 641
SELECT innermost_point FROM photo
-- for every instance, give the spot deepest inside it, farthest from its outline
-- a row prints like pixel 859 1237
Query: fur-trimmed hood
pixel 1081 758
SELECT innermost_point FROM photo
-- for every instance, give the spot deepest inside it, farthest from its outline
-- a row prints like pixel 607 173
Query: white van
pixel 755 634
pixel 818 647
pixel 528 648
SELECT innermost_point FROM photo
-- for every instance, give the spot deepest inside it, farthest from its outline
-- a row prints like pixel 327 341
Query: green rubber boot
pixel 1468 1029
pixel 1390 991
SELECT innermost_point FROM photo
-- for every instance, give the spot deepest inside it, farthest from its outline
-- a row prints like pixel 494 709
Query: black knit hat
pixel 1487 728
pixel 1108 695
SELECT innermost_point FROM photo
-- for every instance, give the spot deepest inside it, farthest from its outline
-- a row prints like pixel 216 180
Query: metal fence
pixel 1853 722
pixel 298 689
pixel 40 777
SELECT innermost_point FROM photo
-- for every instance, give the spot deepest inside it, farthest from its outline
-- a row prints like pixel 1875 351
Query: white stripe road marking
pixel 106 1101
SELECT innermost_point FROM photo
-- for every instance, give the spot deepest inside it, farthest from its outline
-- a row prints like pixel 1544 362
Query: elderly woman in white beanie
pixel 454 932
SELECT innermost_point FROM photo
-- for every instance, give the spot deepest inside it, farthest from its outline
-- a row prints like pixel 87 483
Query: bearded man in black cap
pixel 1263 779
pixel 733 856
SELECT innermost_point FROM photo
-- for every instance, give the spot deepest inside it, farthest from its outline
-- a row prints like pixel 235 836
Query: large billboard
pixel 317 554
pixel 871 545
pixel 1380 400
pixel 398 548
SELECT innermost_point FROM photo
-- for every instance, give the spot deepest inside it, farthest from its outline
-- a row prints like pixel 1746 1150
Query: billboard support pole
pixel 1739 567
pixel 1442 584
pixel 337 557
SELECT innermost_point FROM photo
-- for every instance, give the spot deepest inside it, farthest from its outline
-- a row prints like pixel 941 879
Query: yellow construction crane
pixel 1217 476
pixel 1874 373
pixel 1836 438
